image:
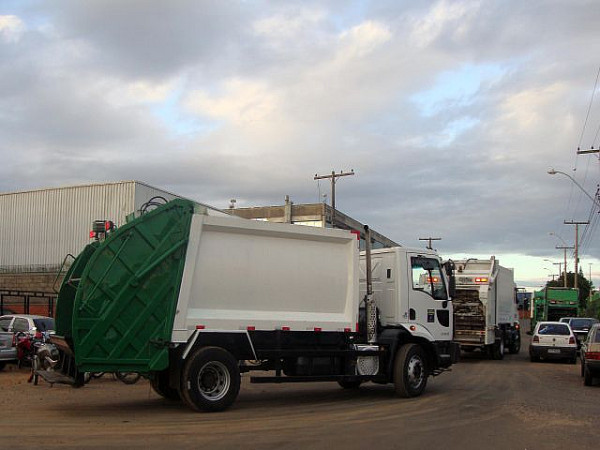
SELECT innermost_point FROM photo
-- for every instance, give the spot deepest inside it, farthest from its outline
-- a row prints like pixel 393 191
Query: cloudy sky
pixel 449 112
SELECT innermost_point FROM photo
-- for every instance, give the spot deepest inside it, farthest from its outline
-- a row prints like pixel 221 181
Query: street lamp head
pixel 552 171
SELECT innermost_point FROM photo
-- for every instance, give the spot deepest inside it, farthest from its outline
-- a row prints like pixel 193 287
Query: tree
pixel 583 284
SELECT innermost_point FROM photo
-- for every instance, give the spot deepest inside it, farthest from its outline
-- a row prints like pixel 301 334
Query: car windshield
pixel 46 324
pixel 554 329
pixel 579 324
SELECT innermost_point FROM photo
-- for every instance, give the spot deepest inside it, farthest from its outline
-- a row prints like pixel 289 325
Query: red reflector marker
pixel 285 328
pixel 92 234
pixel 250 328
pixel 357 233
pixel 347 330
pixel 413 328
pixel 200 327
pixel 318 329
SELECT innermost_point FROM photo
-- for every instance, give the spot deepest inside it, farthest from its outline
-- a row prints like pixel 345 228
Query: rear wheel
pixel 160 384
pixel 515 346
pixel 349 384
pixel 210 380
pixel 497 349
pixel 587 377
pixel 410 371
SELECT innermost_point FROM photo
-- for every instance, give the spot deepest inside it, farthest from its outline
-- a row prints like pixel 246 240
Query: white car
pixel 553 340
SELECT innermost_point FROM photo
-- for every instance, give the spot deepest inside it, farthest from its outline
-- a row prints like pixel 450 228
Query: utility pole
pixel 564 248
pixel 333 178
pixel 571 222
pixel 429 239
pixel 590 298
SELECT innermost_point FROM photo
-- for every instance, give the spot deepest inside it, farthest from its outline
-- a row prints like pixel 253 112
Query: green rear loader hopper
pixel 117 302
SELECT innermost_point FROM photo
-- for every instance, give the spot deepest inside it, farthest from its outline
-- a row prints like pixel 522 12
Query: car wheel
pixel 582 367
pixel 587 377
pixel 498 350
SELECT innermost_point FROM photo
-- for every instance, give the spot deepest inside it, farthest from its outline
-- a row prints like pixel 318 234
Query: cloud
pixel 450 112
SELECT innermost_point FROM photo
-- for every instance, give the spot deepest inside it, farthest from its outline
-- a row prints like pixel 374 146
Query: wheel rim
pixel 415 372
pixel 501 346
pixel 214 381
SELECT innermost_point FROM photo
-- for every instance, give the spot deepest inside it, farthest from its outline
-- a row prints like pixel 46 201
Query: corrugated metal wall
pixel 38 228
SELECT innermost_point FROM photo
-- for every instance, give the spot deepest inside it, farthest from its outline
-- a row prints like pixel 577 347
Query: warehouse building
pixel 39 228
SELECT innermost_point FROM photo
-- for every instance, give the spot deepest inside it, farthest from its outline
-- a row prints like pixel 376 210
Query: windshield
pixel 578 324
pixel 554 329
pixel 44 324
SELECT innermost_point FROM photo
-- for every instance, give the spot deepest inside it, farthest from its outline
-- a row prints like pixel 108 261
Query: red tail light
pixel 571 340
pixel 536 338
pixel 38 335
pixel 14 341
pixel 592 355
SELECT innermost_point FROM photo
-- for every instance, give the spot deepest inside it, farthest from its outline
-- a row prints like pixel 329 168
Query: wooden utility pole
pixel 571 222
pixel 564 248
pixel 429 239
pixel 333 178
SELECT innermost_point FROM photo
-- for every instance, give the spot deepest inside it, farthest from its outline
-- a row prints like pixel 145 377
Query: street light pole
pixel 593 199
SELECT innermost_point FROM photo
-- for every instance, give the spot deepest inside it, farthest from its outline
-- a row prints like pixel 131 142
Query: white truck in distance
pixel 228 296
pixel 485 307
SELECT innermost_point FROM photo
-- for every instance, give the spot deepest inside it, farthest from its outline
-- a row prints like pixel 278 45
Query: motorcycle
pixel 36 351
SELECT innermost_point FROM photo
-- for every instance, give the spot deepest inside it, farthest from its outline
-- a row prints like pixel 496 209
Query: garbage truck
pixel 486 312
pixel 194 301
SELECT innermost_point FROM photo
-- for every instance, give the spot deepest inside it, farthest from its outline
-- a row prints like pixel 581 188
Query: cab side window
pixel 427 277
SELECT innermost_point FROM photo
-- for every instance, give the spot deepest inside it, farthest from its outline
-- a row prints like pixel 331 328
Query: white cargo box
pixel 243 274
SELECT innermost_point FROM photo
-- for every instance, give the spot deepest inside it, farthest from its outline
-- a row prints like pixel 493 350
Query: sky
pixel 450 113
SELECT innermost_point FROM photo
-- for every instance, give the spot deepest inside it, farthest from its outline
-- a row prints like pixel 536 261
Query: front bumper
pixel 547 352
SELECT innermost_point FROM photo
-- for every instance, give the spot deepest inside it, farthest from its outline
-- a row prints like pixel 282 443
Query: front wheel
pixel 210 380
pixel 410 371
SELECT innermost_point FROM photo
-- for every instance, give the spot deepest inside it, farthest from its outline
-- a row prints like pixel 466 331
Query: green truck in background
pixel 552 303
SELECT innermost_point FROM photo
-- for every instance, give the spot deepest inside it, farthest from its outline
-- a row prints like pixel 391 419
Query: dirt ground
pixel 509 404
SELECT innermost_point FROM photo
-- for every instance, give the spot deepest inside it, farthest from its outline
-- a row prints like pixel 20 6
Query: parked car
pixel 553 340
pixel 590 356
pixel 581 326
pixel 12 325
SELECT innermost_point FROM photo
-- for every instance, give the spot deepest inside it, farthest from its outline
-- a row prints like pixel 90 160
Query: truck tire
pixel 160 385
pixel 410 371
pixel 587 377
pixel 349 384
pixel 497 350
pixel 210 380
pixel 515 346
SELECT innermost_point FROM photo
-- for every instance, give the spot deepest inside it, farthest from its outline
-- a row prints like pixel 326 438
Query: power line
pixel 588 111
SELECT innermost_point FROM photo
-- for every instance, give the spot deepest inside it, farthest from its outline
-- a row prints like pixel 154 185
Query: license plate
pixel 554 350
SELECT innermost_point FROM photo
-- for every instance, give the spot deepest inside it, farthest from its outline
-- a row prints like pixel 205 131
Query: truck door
pixel 428 304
